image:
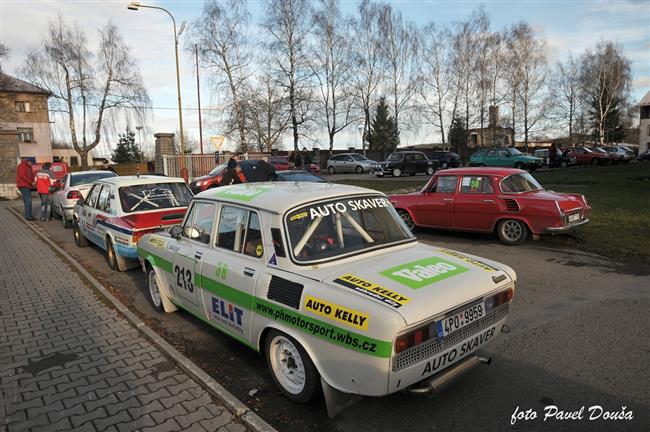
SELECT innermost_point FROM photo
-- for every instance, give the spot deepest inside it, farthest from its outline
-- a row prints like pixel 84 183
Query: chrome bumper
pixel 565 228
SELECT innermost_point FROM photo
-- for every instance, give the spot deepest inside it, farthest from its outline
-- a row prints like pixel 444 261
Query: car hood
pixel 205 177
pixel 419 281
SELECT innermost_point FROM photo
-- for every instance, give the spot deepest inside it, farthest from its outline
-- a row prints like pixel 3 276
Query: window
pixel 409 157
pixel 232 228
pixel 278 244
pixel 154 196
pixel 503 153
pixel 445 184
pixel 26 135
pixel 358 157
pixel 419 157
pixel 253 243
pixel 491 153
pixel 85 178
pixel 394 157
pixel 199 222
pixel 92 196
pixel 74 161
pixel 518 183
pixel 476 185
pixel 103 203
pixel 22 106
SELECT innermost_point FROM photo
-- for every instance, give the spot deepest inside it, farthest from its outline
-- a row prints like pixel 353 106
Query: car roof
pixel 75 173
pixel 138 180
pixel 278 197
pixel 481 171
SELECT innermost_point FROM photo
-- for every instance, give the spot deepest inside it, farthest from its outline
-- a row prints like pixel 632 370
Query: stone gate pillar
pixel 164 147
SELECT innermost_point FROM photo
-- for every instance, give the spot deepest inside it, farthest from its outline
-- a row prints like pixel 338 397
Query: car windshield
pixel 588 150
pixel 299 176
pixel 394 156
pixel 79 179
pixel 218 169
pixel 154 196
pixel 453 155
pixel 337 228
pixel 358 157
pixel 514 151
pixel 518 183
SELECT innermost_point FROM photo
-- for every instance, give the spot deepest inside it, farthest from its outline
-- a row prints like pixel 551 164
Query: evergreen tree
pixel 458 136
pixel 126 151
pixel 384 135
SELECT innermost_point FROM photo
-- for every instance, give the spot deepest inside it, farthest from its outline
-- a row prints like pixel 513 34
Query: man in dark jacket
pixel 262 172
pixel 24 183
pixel 232 176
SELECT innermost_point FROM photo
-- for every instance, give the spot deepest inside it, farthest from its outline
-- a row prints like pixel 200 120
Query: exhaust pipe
pixel 441 381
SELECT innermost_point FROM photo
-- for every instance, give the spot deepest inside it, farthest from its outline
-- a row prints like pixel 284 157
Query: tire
pixel 397 172
pixel 79 238
pixel 56 214
pixel 331 170
pixel 66 222
pixel 358 170
pixel 408 220
pixel 430 171
pixel 291 368
pixel 154 291
pixel 519 165
pixel 512 231
pixel 380 175
pixel 115 262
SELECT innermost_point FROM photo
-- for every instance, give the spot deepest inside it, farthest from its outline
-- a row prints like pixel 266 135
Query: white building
pixel 644 123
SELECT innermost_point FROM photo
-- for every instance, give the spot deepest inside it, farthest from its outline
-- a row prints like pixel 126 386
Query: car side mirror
pixel 81 201
pixel 176 231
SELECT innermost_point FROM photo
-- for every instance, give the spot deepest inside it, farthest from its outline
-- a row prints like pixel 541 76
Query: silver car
pixel 349 163
pixel 73 186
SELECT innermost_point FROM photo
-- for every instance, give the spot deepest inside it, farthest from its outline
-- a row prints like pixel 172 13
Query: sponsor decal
pixel 417 274
pixel 469 260
pixel 350 205
pixel 221 270
pixel 274 260
pixel 173 247
pixel 298 216
pixel 455 354
pixel 334 312
pixel 373 290
pixel 259 250
pixel 157 243
pixel 227 313
pixel 245 195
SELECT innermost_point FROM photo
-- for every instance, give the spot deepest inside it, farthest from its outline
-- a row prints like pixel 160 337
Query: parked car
pixel 349 163
pixel 119 210
pixel 282 163
pixel 73 186
pixel 330 286
pixel 562 159
pixel 505 201
pixel 446 159
pixel 213 178
pixel 645 156
pixel 59 169
pixel 504 157
pixel 298 176
pixel 405 162
pixel 587 156
pixel 620 154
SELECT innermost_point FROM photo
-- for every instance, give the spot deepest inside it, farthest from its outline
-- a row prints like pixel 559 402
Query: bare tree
pixel 287 24
pixel 400 44
pixel 605 76
pixel 92 86
pixel 368 61
pixel 330 63
pixel 566 93
pixel 482 41
pixel 4 53
pixel 221 33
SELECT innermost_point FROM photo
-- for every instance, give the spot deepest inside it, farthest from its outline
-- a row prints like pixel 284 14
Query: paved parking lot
pixel 578 338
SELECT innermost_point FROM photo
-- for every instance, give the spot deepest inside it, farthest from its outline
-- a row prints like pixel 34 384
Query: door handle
pixel 198 255
pixel 249 272
pixel 448 199
pixel 488 201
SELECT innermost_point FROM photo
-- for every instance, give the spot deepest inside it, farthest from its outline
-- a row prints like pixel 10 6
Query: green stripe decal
pixel 315 327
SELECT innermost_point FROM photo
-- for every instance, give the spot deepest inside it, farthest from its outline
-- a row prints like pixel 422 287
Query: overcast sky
pixel 568 26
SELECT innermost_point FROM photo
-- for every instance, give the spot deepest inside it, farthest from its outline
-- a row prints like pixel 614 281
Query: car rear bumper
pixel 565 228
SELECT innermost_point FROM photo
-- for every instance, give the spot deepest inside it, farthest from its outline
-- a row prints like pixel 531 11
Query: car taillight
pixel 138 234
pixel 415 337
pixel 498 299
pixel 74 194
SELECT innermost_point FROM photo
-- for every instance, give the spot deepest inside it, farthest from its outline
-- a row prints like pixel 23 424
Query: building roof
pixel 646 100
pixel 12 84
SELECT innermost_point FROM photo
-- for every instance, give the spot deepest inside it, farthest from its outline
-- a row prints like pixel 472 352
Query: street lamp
pixel 362 129
pixel 139 128
pixel 134 7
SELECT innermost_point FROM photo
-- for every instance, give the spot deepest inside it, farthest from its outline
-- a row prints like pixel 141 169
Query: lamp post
pixel 139 128
pixel 135 6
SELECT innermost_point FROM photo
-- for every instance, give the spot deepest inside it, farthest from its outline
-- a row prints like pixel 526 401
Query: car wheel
pixel 380 175
pixel 115 262
pixel 154 291
pixel 408 220
pixel 430 171
pixel 564 164
pixel 519 165
pixel 331 170
pixel 56 214
pixel 512 231
pixel 397 172
pixel 79 239
pixel 359 169
pixel 444 165
pixel 291 368
pixel 66 222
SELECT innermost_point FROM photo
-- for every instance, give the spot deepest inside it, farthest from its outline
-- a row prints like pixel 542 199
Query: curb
pixel 240 409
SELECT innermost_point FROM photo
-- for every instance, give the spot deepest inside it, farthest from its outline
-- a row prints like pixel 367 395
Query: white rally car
pixel 331 286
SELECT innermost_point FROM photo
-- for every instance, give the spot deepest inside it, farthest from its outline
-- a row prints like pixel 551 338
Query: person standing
pixel 552 154
pixel 25 183
pixel 262 172
pixel 306 159
pixel 45 188
pixel 297 161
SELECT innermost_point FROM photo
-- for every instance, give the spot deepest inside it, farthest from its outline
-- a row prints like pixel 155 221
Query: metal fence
pixel 200 165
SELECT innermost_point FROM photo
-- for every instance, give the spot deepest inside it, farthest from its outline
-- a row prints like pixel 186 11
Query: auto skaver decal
pixel 420 273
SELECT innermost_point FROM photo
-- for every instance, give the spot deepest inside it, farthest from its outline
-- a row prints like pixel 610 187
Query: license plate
pixel 460 319
pixel 574 217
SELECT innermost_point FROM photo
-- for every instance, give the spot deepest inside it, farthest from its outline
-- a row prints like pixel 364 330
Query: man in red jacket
pixel 24 183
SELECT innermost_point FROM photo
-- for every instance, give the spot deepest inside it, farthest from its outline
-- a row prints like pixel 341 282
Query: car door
pixel 419 163
pixel 191 246
pixel 436 205
pixel 102 212
pixel 475 206
pixel 348 164
pixel 490 158
pixel 87 215
pixel 231 268
pixel 59 193
pixel 503 158
pixel 409 165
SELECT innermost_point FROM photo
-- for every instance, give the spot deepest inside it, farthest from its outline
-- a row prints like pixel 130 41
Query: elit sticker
pixel 417 274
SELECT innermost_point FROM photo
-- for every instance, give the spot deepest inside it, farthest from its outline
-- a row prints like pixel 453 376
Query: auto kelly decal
pixel 333 208
pixel 335 312
pixel 420 273
pixel 373 290
pixel 241 194
pixel 468 260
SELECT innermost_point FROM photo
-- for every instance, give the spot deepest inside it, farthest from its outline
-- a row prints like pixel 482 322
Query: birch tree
pixel 566 88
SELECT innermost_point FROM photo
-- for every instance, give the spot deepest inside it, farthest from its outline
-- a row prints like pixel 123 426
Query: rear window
pixel 79 179
pixel 154 196
pixel 518 183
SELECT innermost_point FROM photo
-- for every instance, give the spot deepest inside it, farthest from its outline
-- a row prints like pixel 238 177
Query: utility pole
pixel 198 95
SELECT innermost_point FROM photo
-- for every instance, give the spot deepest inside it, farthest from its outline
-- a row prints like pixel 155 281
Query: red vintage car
pixel 281 163
pixel 505 201
pixel 590 156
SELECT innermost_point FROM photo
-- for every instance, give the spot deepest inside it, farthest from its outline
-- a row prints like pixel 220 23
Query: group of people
pixel 262 171
pixel 298 161
pixel 44 182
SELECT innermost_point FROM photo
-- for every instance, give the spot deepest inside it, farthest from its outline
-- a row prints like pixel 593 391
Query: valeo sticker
pixel 241 194
pixel 417 274
pixel 335 312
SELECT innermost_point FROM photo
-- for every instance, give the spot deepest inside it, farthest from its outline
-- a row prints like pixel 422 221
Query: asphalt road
pixel 578 337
